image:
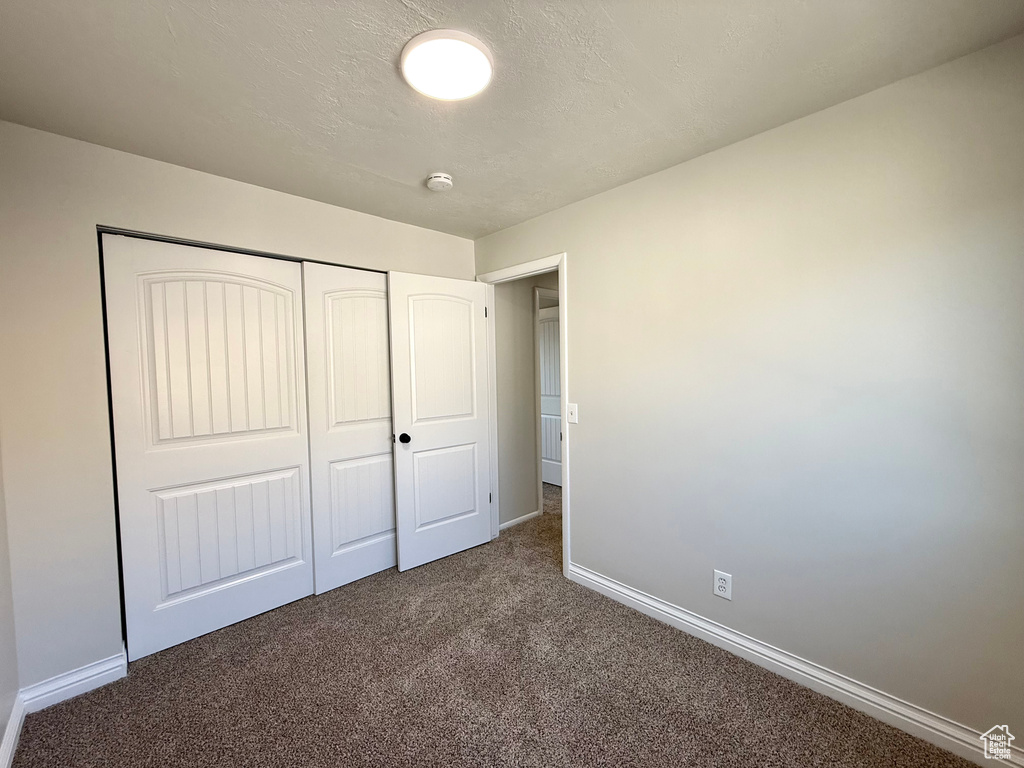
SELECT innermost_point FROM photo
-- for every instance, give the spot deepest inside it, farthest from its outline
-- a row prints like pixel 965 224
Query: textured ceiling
pixel 305 96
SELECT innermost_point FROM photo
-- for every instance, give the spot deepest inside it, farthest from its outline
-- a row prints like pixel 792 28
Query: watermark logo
pixel 997 742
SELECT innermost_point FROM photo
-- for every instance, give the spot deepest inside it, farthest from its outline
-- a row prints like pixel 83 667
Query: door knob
pixel 404 438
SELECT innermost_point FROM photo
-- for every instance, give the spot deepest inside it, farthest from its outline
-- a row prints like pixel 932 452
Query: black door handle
pixel 404 438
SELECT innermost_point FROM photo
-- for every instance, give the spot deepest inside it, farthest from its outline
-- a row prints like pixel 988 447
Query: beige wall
pixel 53 403
pixel 518 420
pixel 8 651
pixel 800 360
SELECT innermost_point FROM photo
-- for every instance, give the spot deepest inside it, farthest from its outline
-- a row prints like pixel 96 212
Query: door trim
pixel 526 269
pixel 492 404
pixel 103 229
pixel 558 262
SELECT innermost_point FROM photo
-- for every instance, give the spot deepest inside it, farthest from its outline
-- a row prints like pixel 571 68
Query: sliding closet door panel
pixel 208 383
pixel 439 373
pixel 349 365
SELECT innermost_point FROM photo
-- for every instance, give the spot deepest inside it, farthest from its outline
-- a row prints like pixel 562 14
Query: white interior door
pixel 439 394
pixel 351 461
pixel 550 398
pixel 208 384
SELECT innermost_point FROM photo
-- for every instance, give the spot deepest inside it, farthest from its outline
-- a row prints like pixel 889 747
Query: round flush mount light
pixel 446 64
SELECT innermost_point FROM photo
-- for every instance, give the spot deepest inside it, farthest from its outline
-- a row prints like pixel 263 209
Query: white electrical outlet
pixel 723 585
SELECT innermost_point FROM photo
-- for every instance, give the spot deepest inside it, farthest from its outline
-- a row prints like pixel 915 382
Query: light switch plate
pixel 572 413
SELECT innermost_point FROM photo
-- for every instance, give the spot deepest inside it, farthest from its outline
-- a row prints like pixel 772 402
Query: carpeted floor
pixel 552 499
pixel 486 658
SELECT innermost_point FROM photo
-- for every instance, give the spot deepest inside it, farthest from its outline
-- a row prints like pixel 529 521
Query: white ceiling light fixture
pixel 446 64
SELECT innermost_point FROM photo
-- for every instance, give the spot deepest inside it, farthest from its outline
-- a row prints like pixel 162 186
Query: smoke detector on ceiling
pixel 439 182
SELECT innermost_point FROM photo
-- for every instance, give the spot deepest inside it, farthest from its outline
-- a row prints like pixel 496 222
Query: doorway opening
pixel 528 368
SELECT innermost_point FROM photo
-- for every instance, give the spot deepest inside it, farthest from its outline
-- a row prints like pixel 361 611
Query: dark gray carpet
pixel 552 499
pixel 487 658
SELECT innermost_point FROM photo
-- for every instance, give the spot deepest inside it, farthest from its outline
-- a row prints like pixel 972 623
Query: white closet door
pixel 351 461
pixel 439 385
pixel 550 398
pixel 208 383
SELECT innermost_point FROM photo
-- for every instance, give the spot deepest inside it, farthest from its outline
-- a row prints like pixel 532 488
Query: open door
pixel 440 411
pixel 550 396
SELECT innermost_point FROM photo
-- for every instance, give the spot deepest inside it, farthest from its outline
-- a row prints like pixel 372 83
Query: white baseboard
pixel 33 698
pixel 936 729
pixel 12 732
pixel 77 681
pixel 518 520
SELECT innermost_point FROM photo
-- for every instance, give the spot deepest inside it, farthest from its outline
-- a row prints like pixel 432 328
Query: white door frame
pixel 558 263
pixel 538 294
